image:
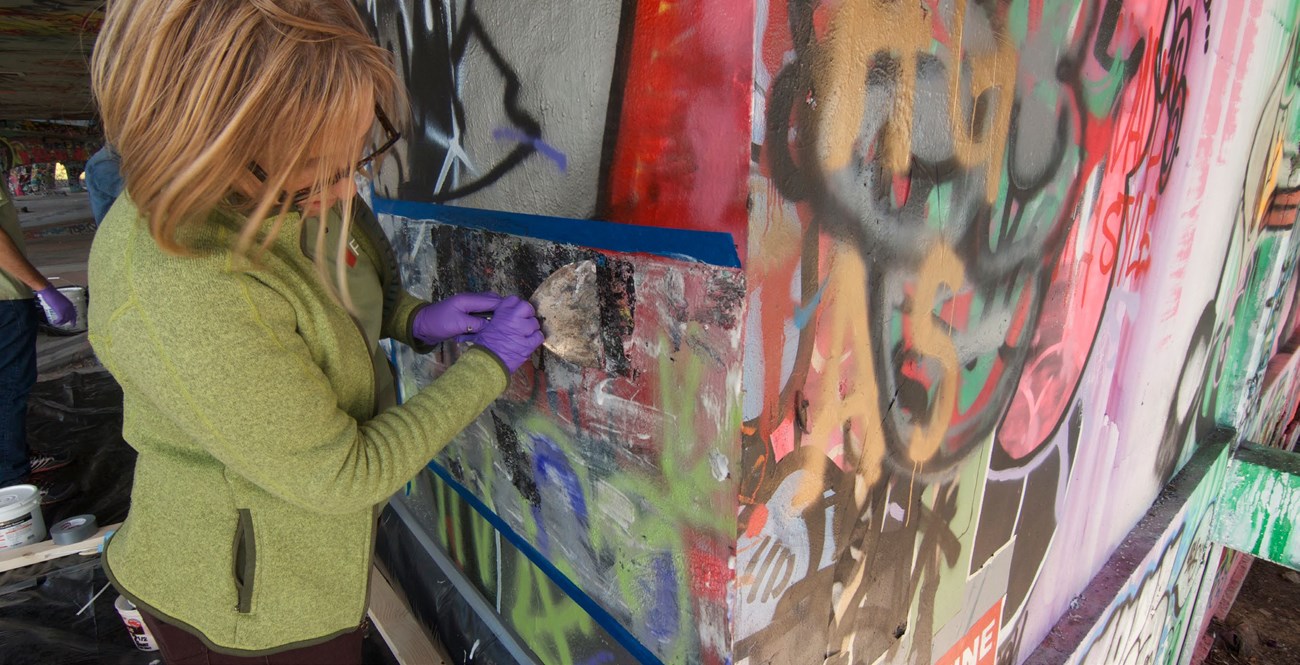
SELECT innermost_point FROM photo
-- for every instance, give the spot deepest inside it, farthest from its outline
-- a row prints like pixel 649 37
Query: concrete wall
pixel 1015 276
pixel 913 311
pixel 44 47
pixel 27 142
pixel 621 479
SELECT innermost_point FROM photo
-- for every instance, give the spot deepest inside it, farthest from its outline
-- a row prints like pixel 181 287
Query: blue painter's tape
pixel 711 247
pixel 104 543
pixel 598 613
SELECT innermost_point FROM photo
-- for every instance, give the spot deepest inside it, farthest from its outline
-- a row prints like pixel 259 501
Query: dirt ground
pixel 1263 627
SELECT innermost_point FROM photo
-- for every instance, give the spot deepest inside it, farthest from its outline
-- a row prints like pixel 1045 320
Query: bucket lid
pixel 17 494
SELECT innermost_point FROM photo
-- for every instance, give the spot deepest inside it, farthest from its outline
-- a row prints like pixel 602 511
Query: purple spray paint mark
pixel 549 463
pixel 661 588
pixel 546 149
pixel 600 659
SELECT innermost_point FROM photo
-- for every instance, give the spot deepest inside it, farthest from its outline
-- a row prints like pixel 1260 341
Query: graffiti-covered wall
pixel 1008 262
pixel 550 133
pixel 909 312
pixel 29 143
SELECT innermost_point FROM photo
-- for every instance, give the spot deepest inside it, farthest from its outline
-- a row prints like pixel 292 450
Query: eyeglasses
pixel 299 197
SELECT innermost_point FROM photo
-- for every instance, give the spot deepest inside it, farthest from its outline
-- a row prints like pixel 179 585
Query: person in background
pixel 20 285
pixel 24 178
pixel 75 171
pixel 103 181
pixel 240 292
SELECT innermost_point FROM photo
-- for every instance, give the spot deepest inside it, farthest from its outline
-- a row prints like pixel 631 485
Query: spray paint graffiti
pixel 501 118
pixel 618 477
pixel 974 228
pixel 1144 606
pixel 1005 265
pixel 23 151
pixel 649 130
pixel 511 582
pixel 1149 621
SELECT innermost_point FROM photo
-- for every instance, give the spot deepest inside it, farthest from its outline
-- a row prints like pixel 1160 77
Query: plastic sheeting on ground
pixel 81 413
pixel 39 623
pixel 433 598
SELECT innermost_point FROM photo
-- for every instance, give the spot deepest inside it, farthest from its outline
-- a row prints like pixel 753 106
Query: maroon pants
pixel 181 648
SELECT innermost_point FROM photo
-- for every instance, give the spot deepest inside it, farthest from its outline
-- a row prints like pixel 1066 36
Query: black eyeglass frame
pixel 301 196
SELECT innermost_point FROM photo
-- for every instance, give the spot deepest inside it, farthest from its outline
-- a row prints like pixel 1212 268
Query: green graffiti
pixel 1279 543
pixel 1174 640
pixel 484 537
pixel 682 499
pixel 1254 312
pixel 546 619
pixel 1018 21
pixel 975 376
pixel 687 493
pixel 939 203
pixel 1260 500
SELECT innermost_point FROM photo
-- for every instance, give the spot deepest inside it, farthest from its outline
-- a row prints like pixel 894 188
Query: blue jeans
pixel 17 376
pixel 103 181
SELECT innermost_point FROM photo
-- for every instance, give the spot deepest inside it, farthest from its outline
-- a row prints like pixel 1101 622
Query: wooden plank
pixel 405 636
pixel 46 550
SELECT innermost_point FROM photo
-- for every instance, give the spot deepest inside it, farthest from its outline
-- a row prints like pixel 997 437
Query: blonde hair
pixel 193 92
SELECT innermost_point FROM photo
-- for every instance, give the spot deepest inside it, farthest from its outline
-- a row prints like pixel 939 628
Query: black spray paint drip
pixel 516 460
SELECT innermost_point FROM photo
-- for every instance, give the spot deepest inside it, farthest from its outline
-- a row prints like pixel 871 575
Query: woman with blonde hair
pixel 241 289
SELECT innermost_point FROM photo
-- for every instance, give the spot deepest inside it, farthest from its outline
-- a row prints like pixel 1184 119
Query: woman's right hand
pixel 513 333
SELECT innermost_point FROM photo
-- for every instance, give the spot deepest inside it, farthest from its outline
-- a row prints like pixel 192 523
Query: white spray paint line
pixel 500 582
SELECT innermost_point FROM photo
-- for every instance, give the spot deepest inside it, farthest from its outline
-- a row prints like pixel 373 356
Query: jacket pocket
pixel 245 566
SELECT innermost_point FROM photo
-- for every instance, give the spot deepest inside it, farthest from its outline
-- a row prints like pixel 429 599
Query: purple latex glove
pixel 513 333
pixel 453 318
pixel 58 308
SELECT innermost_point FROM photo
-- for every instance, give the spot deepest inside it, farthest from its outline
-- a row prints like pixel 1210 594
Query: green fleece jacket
pixel 249 396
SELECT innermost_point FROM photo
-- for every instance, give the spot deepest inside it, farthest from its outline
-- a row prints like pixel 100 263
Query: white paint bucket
pixel 135 625
pixel 79 298
pixel 21 521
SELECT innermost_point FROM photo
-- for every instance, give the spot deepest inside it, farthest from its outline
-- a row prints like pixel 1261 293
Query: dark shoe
pixel 54 491
pixel 48 461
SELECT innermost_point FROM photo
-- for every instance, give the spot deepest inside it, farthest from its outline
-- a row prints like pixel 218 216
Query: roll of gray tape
pixel 74 529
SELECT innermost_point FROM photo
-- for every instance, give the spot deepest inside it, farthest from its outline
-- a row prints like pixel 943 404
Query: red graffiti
pixel 1128 144
pixel 681 156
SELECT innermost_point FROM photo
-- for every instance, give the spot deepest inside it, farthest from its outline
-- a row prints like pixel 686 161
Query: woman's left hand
pixel 454 318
